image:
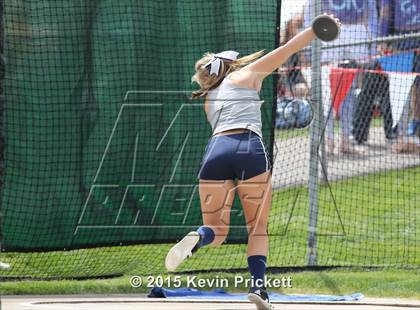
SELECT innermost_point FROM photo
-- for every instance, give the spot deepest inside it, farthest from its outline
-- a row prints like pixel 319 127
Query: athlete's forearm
pixel 299 42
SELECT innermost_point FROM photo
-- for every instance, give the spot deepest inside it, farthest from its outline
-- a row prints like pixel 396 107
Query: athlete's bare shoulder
pixel 245 78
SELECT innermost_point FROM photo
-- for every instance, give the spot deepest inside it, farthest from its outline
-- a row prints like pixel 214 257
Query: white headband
pixel 217 60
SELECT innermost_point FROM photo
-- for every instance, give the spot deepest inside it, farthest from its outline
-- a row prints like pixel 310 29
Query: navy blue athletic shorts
pixel 237 156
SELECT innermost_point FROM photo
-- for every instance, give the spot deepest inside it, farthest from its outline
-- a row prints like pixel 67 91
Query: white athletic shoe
pixel 260 298
pixel 181 251
pixel 4 266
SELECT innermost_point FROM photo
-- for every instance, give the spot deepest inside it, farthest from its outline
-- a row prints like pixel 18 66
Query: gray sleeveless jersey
pixel 234 107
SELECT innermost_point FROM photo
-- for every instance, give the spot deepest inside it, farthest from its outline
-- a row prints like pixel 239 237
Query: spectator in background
pixel 375 89
pixel 359 22
pixel 400 17
pixel 396 18
pixel 414 124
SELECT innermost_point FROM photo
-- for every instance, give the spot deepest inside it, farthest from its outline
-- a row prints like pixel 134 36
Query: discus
pixel 326 27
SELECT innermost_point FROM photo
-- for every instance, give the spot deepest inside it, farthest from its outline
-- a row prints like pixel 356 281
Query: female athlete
pixel 235 160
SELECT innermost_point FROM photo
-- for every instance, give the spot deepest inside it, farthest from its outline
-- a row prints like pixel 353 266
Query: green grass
pixel 284 134
pixel 379 228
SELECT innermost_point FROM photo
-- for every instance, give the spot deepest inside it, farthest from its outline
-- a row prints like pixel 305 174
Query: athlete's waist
pixel 236 135
pixel 232 132
pixel 232 129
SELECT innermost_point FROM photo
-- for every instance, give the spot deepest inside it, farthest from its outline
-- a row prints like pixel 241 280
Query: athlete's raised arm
pixel 325 27
pixel 265 65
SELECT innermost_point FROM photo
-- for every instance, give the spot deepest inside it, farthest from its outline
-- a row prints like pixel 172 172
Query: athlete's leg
pixel 255 195
pixel 216 200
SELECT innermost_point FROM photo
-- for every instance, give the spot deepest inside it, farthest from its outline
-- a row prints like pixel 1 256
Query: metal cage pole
pixel 315 139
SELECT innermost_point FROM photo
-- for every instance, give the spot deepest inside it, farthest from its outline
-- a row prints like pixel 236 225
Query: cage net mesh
pixel 103 143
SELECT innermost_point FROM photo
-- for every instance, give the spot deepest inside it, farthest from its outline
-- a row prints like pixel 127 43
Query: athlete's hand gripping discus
pixel 326 27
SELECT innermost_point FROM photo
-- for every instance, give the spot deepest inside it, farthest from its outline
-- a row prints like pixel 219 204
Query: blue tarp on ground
pixel 220 294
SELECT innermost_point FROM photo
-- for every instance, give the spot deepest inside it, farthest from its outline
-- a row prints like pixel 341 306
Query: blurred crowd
pixel 367 91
